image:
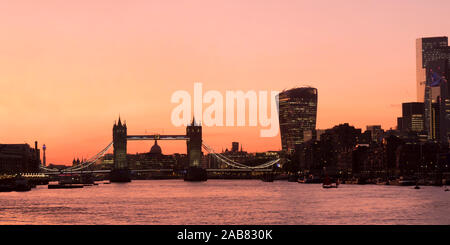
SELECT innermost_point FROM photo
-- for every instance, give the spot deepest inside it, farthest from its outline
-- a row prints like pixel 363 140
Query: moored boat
pixel 21 184
pixel 328 184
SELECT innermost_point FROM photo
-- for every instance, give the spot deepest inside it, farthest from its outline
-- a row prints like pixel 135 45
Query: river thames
pixel 167 202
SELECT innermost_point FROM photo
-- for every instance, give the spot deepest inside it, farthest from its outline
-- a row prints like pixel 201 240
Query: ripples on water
pixel 226 202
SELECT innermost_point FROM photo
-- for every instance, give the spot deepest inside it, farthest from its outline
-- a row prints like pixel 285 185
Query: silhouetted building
pixel 413 117
pixel 234 146
pixel 312 134
pixel 400 124
pixel 154 159
pixel 19 158
pixel 297 113
pixel 376 131
pixel 333 150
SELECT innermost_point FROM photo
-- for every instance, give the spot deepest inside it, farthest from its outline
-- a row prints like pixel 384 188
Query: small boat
pixel 21 184
pixel 67 181
pixel 405 182
pixel 327 183
pixel 301 181
pixel 65 186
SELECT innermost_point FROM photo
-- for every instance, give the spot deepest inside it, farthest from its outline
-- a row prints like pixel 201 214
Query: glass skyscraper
pixel 297 110
pixel 432 59
pixel 427 50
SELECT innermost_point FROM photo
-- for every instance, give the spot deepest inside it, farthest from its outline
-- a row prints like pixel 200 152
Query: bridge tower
pixel 194 151
pixel 194 144
pixel 120 172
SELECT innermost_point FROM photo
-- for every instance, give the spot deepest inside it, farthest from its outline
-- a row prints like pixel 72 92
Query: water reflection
pixel 226 202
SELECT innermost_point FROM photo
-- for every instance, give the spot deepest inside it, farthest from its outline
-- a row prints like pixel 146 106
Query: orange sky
pixel 68 68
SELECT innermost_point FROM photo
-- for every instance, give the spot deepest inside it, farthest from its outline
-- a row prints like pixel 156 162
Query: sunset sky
pixel 69 68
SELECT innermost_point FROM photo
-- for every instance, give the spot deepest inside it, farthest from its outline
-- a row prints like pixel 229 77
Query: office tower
pixel 400 124
pixel 234 146
pixel 438 100
pixel 428 49
pixel 436 96
pixel 297 110
pixel 413 117
pixel 376 132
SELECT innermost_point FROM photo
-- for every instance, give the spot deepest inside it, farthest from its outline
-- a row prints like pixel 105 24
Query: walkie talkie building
pixel 297 110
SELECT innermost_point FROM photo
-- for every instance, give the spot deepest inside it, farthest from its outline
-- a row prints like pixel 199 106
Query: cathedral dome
pixel 156 149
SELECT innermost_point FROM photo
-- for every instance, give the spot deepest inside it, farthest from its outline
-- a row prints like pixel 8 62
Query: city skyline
pixel 72 69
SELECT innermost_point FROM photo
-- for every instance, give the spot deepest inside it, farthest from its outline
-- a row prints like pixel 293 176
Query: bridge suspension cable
pixel 84 164
pixel 235 164
pixel 89 161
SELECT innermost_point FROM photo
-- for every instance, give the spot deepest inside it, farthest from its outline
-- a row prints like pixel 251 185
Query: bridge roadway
pixel 160 170
pixel 157 137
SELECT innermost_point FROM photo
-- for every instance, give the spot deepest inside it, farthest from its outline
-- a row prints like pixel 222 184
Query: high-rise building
pixel 427 50
pixel 432 61
pixel 399 123
pixel 234 146
pixel 413 117
pixel 297 110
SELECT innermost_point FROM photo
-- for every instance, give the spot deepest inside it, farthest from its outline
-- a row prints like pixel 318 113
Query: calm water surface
pixel 226 202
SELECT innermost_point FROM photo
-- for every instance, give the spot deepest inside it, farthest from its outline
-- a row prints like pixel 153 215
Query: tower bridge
pixel 194 144
pixel 193 137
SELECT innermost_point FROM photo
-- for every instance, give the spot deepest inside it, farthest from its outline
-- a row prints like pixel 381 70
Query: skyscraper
pixel 412 117
pixel 234 146
pixel 437 75
pixel 428 49
pixel 432 61
pixel 297 110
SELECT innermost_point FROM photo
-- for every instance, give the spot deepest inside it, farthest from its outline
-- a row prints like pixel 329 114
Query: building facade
pixel 19 158
pixel 427 50
pixel 297 110
pixel 412 117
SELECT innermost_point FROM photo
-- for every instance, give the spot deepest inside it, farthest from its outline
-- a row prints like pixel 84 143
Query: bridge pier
pixel 195 174
pixel 120 175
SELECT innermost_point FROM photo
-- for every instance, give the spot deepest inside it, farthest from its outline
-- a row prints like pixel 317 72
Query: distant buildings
pixel 346 151
pixel 376 132
pixel 297 114
pixel 19 158
pixel 153 159
pixel 240 156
